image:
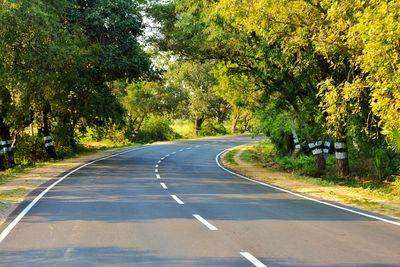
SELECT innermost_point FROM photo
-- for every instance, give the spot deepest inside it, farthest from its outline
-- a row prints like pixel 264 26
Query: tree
pixel 196 80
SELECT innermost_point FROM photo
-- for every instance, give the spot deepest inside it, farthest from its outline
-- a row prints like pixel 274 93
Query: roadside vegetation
pixel 261 162
pixel 319 78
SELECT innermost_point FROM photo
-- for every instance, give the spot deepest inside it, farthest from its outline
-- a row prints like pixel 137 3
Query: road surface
pixel 172 205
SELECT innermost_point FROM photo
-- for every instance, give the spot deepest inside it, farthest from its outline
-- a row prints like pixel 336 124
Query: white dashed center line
pixel 173 153
pixel 180 150
pixel 156 170
pixel 180 202
pixel 163 186
pixel 188 148
pixel 203 221
pixel 158 176
pixel 157 166
pixel 167 155
pixel 159 162
pixel 252 259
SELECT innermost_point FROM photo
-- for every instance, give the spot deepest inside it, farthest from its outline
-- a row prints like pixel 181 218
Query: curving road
pixel 172 205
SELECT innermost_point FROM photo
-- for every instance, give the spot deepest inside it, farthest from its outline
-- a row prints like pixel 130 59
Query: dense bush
pixel 30 149
pixel 156 129
pixel 302 164
pixel 277 128
pixel 210 128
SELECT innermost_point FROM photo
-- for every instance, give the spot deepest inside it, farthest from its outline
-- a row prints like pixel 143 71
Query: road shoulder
pixel 18 189
pixel 355 197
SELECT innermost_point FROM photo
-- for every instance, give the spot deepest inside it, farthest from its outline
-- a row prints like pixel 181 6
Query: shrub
pixel 305 165
pixel 30 149
pixel 211 128
pixel 156 129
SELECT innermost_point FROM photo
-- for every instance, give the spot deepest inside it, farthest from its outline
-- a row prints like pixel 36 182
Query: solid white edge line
pixel 21 215
pixel 252 259
pixel 302 196
pixel 163 186
pixel 203 221
pixel 180 202
pixel 158 176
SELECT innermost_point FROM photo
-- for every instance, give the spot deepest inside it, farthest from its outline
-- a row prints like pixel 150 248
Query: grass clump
pixel 230 157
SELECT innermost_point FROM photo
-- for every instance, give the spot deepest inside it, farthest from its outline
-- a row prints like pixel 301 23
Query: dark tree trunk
pixel 132 131
pixel 71 136
pixel 342 160
pixel 320 160
pixel 7 148
pixel 2 165
pixel 198 123
pixel 140 122
pixel 48 141
pixel 321 164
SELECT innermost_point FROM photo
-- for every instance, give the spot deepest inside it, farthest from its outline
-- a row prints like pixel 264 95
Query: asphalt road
pixel 171 205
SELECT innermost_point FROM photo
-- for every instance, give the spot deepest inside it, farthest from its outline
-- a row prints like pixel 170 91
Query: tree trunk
pixel 321 164
pixel 140 122
pixel 131 130
pixel 48 141
pixel 342 160
pixel 7 149
pixel 72 141
pixel 297 146
pixel 318 152
pixel 2 166
pixel 31 129
pixel 198 123
pixel 235 122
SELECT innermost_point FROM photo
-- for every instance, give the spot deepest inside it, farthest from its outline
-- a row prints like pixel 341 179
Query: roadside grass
pixel 229 157
pixel 14 195
pixel 362 193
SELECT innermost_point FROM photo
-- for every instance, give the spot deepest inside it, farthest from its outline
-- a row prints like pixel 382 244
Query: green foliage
pixel 30 149
pixel 276 127
pixel 230 157
pixel 156 129
pixel 302 164
pixel 212 128
pixel 184 128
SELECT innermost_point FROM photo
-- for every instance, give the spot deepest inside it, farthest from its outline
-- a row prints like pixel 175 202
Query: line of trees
pixel 313 70
pixel 57 60
pixel 314 76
